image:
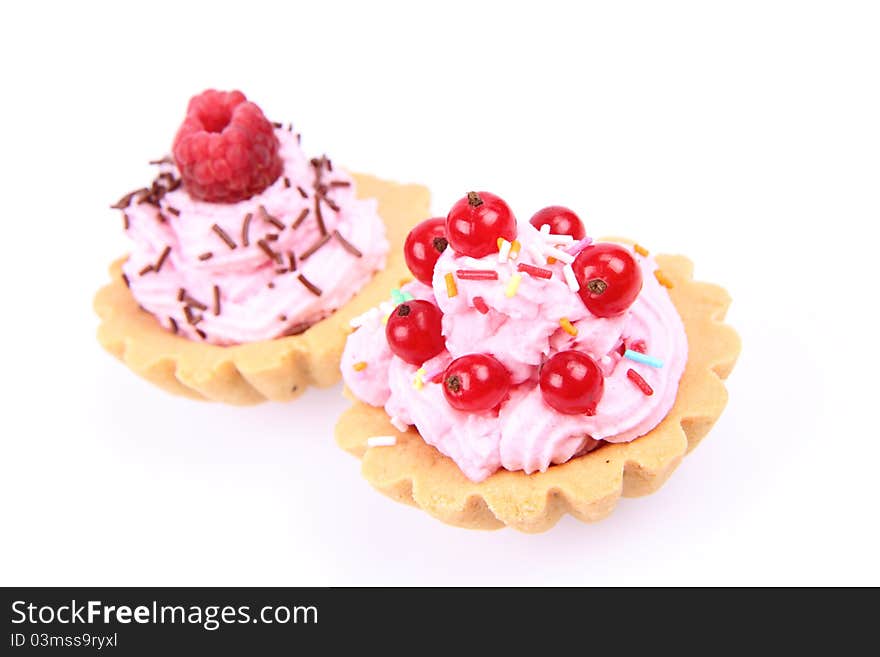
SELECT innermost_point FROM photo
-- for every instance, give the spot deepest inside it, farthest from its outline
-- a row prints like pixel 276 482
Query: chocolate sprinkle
pixel 272 220
pixel 181 294
pixel 173 324
pixel 165 160
pixel 319 217
pixel 296 329
pixel 286 182
pixel 282 318
pixel 216 300
pixel 302 216
pixel 291 257
pixel 173 210
pixel 126 281
pixel 145 270
pixel 264 246
pixel 311 287
pixel 331 203
pixel 224 236
pixel 125 221
pixel 191 318
pixel 302 192
pixel 202 334
pixel 277 125
pixel 271 237
pixel 195 303
pixel 206 256
pixel 162 258
pixel 314 247
pixel 246 229
pixel 348 246
pixel 125 201
pixel 270 285
pixel 340 183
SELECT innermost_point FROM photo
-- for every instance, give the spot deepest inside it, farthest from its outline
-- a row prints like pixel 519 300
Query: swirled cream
pixel 522 331
pixel 268 266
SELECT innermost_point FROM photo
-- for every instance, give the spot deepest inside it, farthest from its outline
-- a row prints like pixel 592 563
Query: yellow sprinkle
pixel 499 242
pixel 419 379
pixel 514 249
pixel 451 288
pixel 638 248
pixel 662 278
pixel 386 318
pixel 551 260
pixel 513 284
pixel 567 326
pixel 359 366
pixel 404 281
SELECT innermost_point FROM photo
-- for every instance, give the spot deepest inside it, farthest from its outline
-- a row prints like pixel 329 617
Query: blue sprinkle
pixel 643 358
pixel 397 296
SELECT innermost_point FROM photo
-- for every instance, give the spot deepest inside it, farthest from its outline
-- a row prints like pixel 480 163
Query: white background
pixel 743 134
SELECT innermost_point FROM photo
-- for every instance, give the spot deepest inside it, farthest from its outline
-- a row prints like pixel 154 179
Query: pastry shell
pixel 587 487
pixel 277 370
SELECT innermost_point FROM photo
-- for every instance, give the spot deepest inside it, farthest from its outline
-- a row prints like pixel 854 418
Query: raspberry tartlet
pixel 530 371
pixel 249 259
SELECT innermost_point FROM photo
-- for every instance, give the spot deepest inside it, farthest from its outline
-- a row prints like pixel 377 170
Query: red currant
pixel 476 382
pixel 572 383
pixel 561 220
pixel 609 277
pixel 475 223
pixel 423 246
pixel 414 332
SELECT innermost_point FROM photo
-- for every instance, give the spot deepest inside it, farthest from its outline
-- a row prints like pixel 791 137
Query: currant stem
pixel 453 383
pixel 597 286
pixel 474 200
pixel 403 310
pixel 440 244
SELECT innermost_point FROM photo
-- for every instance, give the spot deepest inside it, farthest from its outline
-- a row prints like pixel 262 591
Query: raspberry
pixel 226 150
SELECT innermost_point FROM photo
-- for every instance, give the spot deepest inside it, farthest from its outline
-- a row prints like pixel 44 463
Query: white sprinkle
pixel 562 256
pixel 504 251
pixel 570 278
pixel 557 239
pixel 381 441
pixel 545 230
pixel 399 424
pixel 539 258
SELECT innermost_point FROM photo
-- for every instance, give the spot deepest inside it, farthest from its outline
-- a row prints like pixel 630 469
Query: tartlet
pixel 399 462
pixel 219 299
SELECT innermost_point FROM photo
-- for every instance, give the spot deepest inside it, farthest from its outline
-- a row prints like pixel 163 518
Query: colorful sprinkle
pixel 360 366
pixel 451 288
pixel 399 424
pixel 513 285
pixel 636 378
pixel 419 378
pixel 638 248
pixel 406 295
pixel 663 279
pixel 551 260
pixel 570 279
pixel 645 359
pixel 559 254
pixel 397 296
pixel 554 238
pixel 639 345
pixel 568 327
pixel 477 274
pixel 381 441
pixel 480 305
pixel 515 248
pixel 504 250
pixel 531 270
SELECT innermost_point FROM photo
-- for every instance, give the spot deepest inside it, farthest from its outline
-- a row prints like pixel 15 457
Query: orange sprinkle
pixel 662 278
pixel 514 249
pixel 404 281
pixel 638 248
pixel 551 260
pixel 360 366
pixel 498 242
pixel 451 288
pixel 568 327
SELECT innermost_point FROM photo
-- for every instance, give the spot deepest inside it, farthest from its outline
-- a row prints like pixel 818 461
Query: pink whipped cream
pixel 209 273
pixel 522 332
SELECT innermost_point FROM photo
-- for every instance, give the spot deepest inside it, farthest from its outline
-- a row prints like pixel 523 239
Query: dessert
pixel 532 371
pixel 248 258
